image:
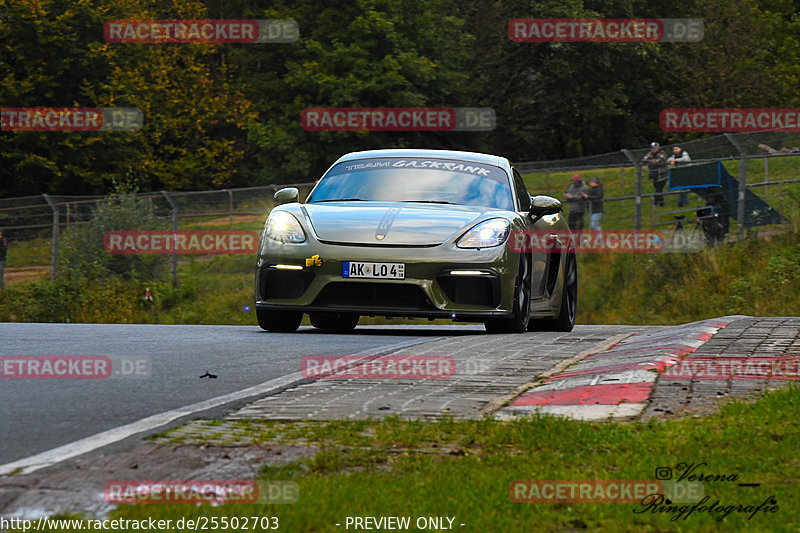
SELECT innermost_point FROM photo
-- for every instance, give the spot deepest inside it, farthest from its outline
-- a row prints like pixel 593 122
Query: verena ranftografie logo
pixel 71 119
pixel 201 492
pixel 722 120
pixel 181 242
pixel 384 367
pixel 605 30
pixel 398 119
pixel 201 31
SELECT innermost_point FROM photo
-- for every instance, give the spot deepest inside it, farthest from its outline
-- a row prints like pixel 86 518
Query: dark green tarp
pixel 702 179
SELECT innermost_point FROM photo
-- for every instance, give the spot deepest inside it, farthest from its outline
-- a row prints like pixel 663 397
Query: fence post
pixel 273 189
pixel 230 208
pixel 637 217
pixel 54 247
pixel 742 184
pixel 173 257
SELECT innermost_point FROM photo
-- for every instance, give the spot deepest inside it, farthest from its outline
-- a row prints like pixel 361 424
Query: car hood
pixel 389 223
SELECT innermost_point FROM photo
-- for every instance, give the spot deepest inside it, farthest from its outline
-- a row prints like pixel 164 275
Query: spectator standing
pixel 595 203
pixel 680 158
pixel 3 250
pixel 656 163
pixel 576 198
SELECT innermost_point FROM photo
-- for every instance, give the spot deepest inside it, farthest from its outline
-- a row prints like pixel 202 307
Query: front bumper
pixel 428 290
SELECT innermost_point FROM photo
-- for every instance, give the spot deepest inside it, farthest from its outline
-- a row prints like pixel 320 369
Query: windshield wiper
pixel 338 200
pixel 427 202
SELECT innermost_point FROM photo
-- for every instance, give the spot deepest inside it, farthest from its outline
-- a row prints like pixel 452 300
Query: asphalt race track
pixel 61 439
pixel 40 414
pixel 162 376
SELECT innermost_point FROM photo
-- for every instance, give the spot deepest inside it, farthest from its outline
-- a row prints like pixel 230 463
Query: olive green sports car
pixel 415 233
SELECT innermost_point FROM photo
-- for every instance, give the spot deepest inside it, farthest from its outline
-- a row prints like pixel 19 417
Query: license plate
pixel 363 269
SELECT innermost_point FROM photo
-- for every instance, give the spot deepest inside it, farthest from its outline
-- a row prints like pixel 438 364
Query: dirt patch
pixel 77 486
pixel 16 275
pixel 223 221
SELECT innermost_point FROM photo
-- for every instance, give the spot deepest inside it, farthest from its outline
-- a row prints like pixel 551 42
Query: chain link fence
pixel 34 224
pixel 765 164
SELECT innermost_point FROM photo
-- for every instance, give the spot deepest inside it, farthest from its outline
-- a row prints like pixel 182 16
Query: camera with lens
pixel 707 211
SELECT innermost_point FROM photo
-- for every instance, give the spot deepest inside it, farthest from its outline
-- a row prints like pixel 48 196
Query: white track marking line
pixel 99 440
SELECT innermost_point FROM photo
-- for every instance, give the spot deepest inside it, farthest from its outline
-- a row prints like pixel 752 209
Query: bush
pixel 81 252
pixel 79 299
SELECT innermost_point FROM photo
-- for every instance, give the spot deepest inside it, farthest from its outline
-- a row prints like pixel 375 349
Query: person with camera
pixel 680 158
pixel 576 198
pixel 657 166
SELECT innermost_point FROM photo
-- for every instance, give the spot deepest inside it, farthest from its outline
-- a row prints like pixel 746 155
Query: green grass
pixel 35 252
pixel 463 469
pixel 622 182
pixel 754 277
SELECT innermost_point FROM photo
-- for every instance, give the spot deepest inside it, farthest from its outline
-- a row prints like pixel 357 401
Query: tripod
pixel 682 239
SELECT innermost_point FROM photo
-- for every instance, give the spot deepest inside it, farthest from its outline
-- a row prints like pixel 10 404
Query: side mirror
pixel 544 205
pixel 287 195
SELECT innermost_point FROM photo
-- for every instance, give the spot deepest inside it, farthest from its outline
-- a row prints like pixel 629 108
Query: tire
pixel 518 323
pixel 334 321
pixel 569 301
pixel 279 321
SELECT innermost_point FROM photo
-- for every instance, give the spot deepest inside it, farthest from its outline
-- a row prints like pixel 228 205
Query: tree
pixel 369 53
pixel 195 117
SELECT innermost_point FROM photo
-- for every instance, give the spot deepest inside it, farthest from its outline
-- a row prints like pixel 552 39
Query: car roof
pixel 473 157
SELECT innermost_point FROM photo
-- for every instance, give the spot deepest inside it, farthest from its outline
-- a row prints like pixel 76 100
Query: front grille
pixel 372 295
pixel 284 283
pixel 471 290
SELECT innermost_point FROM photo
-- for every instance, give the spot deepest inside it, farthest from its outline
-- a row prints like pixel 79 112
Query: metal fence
pixel 767 163
pixel 34 223
pixel 747 156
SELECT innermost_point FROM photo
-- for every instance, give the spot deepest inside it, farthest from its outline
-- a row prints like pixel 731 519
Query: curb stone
pixel 616 383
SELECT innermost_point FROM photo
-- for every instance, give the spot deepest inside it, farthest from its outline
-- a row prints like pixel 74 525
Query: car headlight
pixel 283 227
pixel 488 233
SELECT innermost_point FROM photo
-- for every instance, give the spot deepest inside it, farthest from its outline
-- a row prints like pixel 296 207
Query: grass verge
pixel 754 277
pixel 463 469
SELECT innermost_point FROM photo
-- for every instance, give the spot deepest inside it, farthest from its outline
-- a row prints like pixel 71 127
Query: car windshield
pixel 426 180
